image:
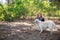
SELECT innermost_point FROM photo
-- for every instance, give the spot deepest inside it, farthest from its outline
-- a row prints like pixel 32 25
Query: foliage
pixel 24 8
pixel 13 10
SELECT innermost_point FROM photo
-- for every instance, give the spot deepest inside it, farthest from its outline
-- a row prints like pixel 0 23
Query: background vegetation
pixel 29 8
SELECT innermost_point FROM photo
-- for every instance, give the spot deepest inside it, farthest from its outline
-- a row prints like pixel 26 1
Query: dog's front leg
pixel 41 28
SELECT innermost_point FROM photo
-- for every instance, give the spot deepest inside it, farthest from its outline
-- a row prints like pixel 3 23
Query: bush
pixel 23 8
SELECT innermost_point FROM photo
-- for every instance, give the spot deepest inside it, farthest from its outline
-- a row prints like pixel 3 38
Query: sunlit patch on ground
pixel 20 23
pixel 54 30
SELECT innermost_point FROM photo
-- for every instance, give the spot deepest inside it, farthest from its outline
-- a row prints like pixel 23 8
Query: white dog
pixel 46 24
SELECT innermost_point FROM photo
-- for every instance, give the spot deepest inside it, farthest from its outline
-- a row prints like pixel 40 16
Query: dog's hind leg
pixel 51 29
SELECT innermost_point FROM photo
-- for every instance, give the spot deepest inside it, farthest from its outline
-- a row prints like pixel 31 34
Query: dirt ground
pixel 24 31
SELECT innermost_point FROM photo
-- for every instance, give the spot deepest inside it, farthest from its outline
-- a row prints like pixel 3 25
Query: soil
pixel 24 30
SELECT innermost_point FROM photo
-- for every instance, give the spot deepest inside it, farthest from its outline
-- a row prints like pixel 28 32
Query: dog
pixel 45 25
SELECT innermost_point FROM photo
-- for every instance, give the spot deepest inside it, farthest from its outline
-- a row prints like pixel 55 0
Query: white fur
pixel 44 25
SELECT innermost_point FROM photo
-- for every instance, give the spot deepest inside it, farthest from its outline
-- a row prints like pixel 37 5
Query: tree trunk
pixel 8 1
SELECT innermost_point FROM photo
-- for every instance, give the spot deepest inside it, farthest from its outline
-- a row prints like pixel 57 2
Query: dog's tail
pixel 57 26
